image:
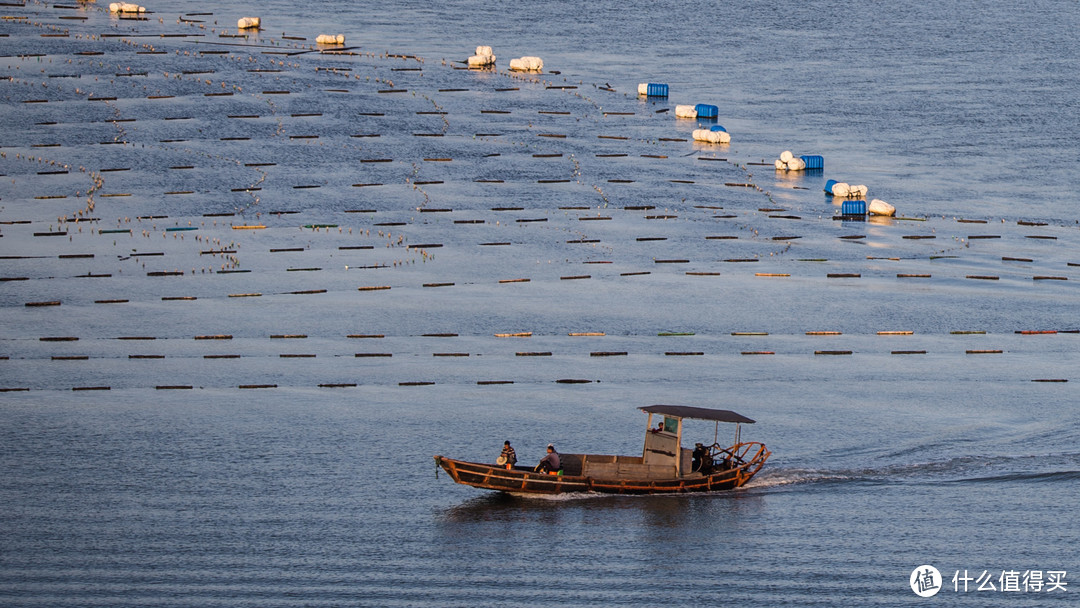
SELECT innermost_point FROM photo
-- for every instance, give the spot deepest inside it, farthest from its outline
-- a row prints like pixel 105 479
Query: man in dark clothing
pixel 550 462
pixel 698 458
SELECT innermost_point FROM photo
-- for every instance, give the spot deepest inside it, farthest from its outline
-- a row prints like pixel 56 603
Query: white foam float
pixel 712 137
pixel 484 56
pixel 685 111
pixel 527 64
pixel 845 190
pixel 789 162
pixel 880 207
pixel 479 61
pixel 330 39
pixel 249 23
pixel 126 7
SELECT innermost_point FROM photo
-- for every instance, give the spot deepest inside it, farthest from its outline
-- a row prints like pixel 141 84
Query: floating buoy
pixel 853 208
pixel 705 110
pixel 790 162
pixel 650 89
pixel 249 23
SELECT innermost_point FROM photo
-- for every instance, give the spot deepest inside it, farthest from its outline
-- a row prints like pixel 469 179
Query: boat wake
pixel 1050 476
pixel 771 478
pixel 1046 468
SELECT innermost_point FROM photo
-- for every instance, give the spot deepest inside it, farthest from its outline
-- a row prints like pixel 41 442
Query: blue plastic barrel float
pixel 853 208
pixel 828 186
pixel 718 128
pixel 656 90
pixel 705 110
pixel 813 161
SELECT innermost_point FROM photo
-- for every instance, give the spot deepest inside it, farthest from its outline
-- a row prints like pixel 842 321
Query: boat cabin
pixel 662 456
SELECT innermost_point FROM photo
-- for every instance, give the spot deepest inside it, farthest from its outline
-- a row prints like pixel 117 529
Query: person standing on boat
pixel 508 457
pixel 550 462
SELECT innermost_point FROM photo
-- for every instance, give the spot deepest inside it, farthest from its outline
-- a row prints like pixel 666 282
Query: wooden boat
pixel 663 467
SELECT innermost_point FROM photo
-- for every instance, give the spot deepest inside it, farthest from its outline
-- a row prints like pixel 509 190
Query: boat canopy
pixel 697 413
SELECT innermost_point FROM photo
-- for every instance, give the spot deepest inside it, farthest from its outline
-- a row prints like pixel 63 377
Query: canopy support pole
pixel 648 429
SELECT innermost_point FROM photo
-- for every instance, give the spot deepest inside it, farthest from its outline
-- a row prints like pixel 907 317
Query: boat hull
pixel 525 481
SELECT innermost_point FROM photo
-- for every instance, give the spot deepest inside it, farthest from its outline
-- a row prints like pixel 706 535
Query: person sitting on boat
pixel 659 428
pixel 508 457
pixel 550 462
pixel 698 457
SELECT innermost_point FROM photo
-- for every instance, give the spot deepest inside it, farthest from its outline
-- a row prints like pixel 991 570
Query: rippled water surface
pixel 250 287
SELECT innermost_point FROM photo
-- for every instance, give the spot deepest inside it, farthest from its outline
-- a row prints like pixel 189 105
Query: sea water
pixel 224 417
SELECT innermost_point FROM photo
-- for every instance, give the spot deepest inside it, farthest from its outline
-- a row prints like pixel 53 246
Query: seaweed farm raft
pixel 190 205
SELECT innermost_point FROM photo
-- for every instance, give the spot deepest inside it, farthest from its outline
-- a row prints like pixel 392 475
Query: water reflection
pixel 671 512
